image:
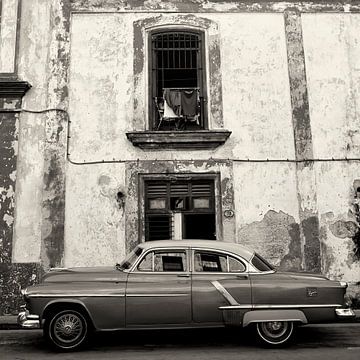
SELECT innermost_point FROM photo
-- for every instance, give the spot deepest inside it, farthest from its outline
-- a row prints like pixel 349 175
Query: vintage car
pixel 180 284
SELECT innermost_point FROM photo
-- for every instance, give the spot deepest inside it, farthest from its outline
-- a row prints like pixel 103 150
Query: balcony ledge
pixel 184 139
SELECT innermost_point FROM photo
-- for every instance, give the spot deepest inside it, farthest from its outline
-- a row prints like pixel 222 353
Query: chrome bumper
pixel 345 313
pixel 28 321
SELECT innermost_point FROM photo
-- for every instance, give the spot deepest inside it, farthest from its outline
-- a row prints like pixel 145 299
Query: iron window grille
pixel 177 81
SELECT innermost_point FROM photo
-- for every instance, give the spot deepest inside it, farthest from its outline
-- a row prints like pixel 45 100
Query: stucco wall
pixel 32 66
pixel 256 105
pixel 94 215
pixel 255 80
pixel 267 215
pixel 332 53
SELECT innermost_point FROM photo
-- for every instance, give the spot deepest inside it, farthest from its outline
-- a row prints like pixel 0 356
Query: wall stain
pixel 276 237
pixel 211 6
pixel 312 255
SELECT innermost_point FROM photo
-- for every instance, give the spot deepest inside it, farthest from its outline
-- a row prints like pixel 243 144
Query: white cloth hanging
pixel 168 111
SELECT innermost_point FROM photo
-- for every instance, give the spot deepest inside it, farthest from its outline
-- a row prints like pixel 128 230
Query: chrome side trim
pixel 296 306
pixel 73 295
pixel 234 307
pixel 279 306
pixel 225 293
pixel 156 295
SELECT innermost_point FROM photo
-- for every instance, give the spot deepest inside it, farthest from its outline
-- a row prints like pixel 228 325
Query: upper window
pixel 177 78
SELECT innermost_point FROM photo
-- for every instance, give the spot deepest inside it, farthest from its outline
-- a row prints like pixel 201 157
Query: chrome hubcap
pixel 68 328
pixel 274 329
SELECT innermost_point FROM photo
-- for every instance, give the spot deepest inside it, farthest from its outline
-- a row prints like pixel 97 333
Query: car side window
pixel 162 261
pixel 146 264
pixel 236 265
pixel 214 262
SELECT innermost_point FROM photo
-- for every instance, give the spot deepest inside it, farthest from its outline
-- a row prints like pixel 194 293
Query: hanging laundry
pixel 168 111
pixel 189 102
pixel 173 99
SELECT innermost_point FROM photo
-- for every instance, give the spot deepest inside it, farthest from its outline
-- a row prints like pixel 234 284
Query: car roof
pixel 208 244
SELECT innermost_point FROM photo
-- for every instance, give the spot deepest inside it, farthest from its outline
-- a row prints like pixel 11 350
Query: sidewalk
pixel 9 322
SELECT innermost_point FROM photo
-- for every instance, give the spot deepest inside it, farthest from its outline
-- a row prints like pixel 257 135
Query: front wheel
pixel 275 333
pixel 66 330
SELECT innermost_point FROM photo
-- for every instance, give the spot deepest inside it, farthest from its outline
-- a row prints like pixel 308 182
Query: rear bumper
pixel 347 313
pixel 28 321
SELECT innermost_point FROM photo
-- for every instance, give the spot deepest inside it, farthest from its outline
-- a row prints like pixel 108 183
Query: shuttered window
pixel 166 198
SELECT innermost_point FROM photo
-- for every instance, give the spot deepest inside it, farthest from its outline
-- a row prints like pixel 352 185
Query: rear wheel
pixel 66 330
pixel 275 333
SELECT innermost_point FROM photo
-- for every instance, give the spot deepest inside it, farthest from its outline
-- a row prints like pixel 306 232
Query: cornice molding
pixel 13 88
pixel 190 140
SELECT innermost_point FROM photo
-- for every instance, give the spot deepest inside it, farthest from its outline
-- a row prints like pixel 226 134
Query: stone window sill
pixel 193 140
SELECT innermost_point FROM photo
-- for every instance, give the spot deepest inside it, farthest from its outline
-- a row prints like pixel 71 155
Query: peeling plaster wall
pixel 95 219
pixel 8 16
pixel 332 53
pixel 256 94
pixel 267 217
pixel 338 222
pixel 29 188
pixel 101 80
pixel 101 87
pixel 101 109
pixel 33 66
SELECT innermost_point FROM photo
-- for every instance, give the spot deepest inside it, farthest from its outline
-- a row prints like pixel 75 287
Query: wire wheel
pixel 68 330
pixel 275 332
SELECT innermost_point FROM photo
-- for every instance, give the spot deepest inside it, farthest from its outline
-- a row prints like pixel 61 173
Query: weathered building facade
pixel 126 121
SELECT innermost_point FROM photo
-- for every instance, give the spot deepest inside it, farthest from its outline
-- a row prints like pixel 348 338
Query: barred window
pixel 177 78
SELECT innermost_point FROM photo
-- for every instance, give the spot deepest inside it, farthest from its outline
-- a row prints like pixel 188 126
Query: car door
pixel 218 279
pixel 158 290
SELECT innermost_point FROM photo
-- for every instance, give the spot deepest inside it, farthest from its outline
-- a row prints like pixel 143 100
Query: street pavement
pixel 315 342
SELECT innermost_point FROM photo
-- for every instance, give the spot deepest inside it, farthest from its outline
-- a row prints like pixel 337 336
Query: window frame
pixel 168 194
pixel 202 78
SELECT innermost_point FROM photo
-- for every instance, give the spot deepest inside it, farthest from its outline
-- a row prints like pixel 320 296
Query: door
pixel 158 291
pixel 218 279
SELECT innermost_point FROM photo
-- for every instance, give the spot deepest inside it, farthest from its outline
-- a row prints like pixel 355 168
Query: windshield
pixel 261 264
pixel 130 259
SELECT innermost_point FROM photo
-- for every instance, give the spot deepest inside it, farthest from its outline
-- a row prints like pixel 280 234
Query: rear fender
pixel 256 316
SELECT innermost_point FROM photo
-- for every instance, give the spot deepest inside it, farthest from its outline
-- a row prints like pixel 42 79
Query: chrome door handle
pixel 184 275
pixel 242 277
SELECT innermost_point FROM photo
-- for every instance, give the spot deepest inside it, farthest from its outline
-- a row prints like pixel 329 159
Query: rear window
pixel 261 264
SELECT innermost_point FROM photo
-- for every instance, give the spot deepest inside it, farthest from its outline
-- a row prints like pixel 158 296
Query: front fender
pixel 61 302
pixel 273 315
